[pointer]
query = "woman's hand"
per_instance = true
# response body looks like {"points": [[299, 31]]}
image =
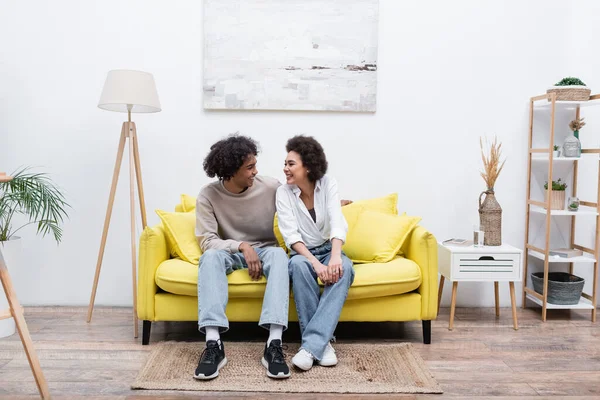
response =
{"points": [[322, 272], [335, 268]]}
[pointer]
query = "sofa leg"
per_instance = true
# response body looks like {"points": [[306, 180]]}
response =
{"points": [[146, 332], [427, 332]]}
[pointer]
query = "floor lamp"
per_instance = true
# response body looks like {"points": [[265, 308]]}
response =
{"points": [[126, 91], [16, 311]]}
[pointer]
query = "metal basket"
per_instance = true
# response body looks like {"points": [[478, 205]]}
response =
{"points": [[563, 288]]}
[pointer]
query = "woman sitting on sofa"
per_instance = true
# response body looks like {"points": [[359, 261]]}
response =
{"points": [[312, 224]]}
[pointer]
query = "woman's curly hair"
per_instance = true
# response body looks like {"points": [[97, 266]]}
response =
{"points": [[228, 155], [312, 155]]}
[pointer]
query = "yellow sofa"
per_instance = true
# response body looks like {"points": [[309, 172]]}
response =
{"points": [[403, 289]]}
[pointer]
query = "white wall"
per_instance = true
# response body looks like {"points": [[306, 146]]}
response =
{"points": [[448, 73]]}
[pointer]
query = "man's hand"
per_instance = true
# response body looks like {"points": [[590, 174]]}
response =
{"points": [[254, 265], [345, 202], [322, 272], [335, 268]]}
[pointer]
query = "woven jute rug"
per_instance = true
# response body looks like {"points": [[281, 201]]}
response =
{"points": [[362, 368]]}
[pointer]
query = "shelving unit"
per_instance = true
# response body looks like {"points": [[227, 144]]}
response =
{"points": [[588, 209]]}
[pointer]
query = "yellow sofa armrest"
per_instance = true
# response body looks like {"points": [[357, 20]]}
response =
{"points": [[421, 247], [153, 251]]}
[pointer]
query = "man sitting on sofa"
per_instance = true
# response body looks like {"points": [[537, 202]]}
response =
{"points": [[234, 226]]}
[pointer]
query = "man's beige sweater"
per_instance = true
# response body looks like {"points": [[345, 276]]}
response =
{"points": [[224, 220]]}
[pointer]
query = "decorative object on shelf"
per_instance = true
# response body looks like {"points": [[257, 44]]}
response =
{"points": [[563, 288], [572, 144], [570, 89], [557, 196], [34, 196], [490, 212], [556, 152], [573, 204]]}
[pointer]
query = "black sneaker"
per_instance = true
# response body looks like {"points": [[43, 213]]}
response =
{"points": [[274, 361], [211, 361]]}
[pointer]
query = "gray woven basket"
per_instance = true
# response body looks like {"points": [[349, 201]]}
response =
{"points": [[563, 288], [571, 93]]}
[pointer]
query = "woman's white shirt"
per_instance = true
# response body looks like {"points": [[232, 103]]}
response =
{"points": [[295, 222]]}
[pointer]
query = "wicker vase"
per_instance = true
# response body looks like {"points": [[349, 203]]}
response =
{"points": [[490, 219]]}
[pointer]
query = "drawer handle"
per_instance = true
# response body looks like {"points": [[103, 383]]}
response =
{"points": [[486, 258]]}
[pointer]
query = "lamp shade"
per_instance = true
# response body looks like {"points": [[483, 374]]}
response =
{"points": [[127, 87]]}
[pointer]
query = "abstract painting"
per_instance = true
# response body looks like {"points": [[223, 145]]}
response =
{"points": [[290, 55]]}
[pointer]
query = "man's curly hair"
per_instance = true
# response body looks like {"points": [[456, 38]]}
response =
{"points": [[228, 155], [312, 155]]}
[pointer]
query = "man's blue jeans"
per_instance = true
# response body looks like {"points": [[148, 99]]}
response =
{"points": [[213, 293], [318, 313]]}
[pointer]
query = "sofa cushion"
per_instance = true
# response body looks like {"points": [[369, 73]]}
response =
{"points": [[188, 203], [397, 276], [377, 237], [181, 277], [371, 280], [386, 204], [180, 232]]}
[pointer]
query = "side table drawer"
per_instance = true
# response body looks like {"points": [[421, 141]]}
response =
{"points": [[490, 266]]}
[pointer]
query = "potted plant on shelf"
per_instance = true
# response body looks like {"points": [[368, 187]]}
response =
{"points": [[557, 194], [573, 204], [556, 152], [570, 89], [35, 197]]}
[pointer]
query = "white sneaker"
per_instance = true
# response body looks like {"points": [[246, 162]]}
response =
{"points": [[303, 360], [329, 358]]}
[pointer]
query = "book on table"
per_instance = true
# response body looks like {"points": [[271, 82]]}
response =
{"points": [[566, 253], [457, 242]]}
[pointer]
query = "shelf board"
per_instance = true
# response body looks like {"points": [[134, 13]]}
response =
{"points": [[585, 258], [582, 211], [568, 105], [584, 304], [545, 157]]}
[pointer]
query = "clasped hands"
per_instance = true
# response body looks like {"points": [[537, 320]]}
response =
{"points": [[331, 273]]}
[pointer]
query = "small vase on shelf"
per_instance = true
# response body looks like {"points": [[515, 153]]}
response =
{"points": [[572, 146]]}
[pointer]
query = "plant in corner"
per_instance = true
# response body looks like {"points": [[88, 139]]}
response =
{"points": [[570, 89], [490, 212], [556, 194], [36, 197], [556, 152], [572, 145]]}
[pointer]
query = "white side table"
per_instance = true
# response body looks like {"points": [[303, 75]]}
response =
{"points": [[479, 264]]}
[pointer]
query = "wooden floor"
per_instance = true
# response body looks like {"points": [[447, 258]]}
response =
{"points": [[481, 358]]}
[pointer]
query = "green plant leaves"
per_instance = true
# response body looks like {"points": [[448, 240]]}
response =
{"points": [[556, 185], [35, 196], [569, 80]]}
